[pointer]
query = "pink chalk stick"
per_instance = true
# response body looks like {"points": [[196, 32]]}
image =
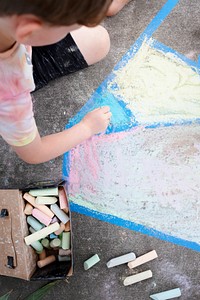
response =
{"points": [[40, 216], [63, 199]]}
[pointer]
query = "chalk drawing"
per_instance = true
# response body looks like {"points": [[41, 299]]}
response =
{"points": [[145, 178]]}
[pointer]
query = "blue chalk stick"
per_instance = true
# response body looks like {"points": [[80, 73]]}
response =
{"points": [[167, 295], [53, 236]]}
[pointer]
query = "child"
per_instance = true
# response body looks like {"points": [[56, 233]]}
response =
{"points": [[67, 46], [116, 6]]}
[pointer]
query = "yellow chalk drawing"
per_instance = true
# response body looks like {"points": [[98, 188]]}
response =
{"points": [[159, 87]]}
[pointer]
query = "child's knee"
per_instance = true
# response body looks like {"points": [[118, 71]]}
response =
{"points": [[102, 44], [98, 45], [93, 42]]}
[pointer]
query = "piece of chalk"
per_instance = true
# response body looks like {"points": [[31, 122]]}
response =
{"points": [[142, 259], [48, 260], [61, 229], [91, 262], [28, 209], [42, 255], [63, 199], [170, 294], [55, 219], [45, 243], [64, 258], [59, 213], [138, 277], [55, 243], [44, 192], [37, 246], [123, 259], [34, 223], [53, 236], [67, 226], [66, 240], [63, 252], [41, 207], [40, 216], [46, 200], [31, 229], [38, 235]]}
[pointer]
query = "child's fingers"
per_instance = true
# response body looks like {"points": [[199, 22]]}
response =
{"points": [[108, 115], [105, 109]]}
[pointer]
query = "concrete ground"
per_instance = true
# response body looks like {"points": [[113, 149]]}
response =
{"points": [[176, 266]]}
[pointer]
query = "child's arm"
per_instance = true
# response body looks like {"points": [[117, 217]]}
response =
{"points": [[51, 146]]}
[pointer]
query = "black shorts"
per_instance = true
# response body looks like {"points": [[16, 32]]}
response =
{"points": [[53, 61]]}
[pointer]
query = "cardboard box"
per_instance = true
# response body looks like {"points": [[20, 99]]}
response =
{"points": [[16, 258]]}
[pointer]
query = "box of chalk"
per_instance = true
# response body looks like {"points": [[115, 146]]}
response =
{"points": [[35, 232]]}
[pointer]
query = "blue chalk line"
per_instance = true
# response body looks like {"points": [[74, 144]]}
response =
{"points": [[133, 226]]}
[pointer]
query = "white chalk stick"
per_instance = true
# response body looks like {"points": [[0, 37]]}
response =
{"points": [[59, 213], [38, 235], [120, 260], [63, 252], [55, 243], [46, 200], [170, 294], [142, 259], [138, 277], [44, 192]]}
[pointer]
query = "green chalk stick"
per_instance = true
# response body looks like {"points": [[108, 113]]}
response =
{"points": [[91, 262], [44, 192], [37, 246], [34, 223], [55, 243], [45, 243], [66, 240]]}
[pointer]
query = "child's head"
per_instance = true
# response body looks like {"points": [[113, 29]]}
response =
{"points": [[55, 15], [58, 12]]}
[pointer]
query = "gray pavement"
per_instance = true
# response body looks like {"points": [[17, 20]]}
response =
{"points": [[176, 266]]}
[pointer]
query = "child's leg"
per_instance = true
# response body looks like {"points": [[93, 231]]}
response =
{"points": [[93, 42], [76, 51], [116, 6]]}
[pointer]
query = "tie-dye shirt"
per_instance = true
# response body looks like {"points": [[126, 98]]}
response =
{"points": [[17, 123]]}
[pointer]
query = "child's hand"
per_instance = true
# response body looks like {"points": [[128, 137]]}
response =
{"points": [[97, 120]]}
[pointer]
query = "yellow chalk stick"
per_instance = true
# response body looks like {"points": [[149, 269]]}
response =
{"points": [[138, 277], [46, 200], [44, 192]]}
